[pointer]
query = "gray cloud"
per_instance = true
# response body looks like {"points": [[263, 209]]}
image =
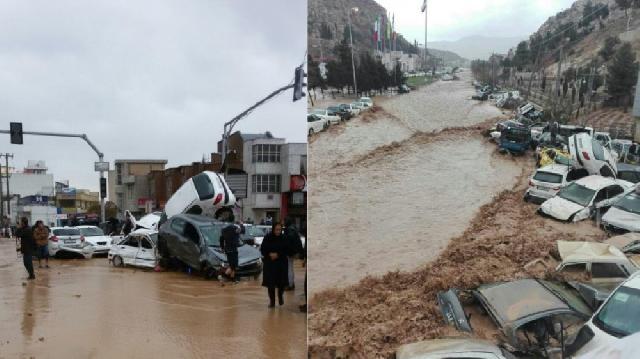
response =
{"points": [[145, 79]]}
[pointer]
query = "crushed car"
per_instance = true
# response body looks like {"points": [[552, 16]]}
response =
{"points": [[548, 180], [452, 348], [584, 198], [533, 317], [138, 249], [195, 241], [588, 153], [624, 214]]}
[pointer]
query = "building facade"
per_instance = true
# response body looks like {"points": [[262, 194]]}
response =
{"points": [[128, 184]]}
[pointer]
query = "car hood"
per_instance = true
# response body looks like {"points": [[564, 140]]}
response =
{"points": [[95, 239], [560, 208], [246, 254], [622, 219]]}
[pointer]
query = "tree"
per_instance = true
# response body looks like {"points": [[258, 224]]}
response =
{"points": [[313, 73], [608, 49], [522, 55], [623, 74], [626, 5]]}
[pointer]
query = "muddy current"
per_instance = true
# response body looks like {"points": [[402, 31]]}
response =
{"points": [[88, 309], [392, 186]]}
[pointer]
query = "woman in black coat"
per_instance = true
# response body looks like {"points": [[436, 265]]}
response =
{"points": [[274, 249]]}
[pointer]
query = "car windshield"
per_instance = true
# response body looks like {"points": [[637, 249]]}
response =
{"points": [[631, 176], [547, 177], [333, 108], [318, 112], [598, 150], [91, 232], [629, 203], [211, 234], [516, 134], [203, 185], [577, 194], [312, 118], [66, 232], [618, 316], [256, 231], [569, 296]]}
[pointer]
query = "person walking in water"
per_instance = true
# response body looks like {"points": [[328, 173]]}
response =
{"points": [[27, 245], [229, 243], [295, 248], [274, 249], [41, 236]]}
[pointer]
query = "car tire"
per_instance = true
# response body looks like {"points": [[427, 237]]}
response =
{"points": [[311, 132], [527, 198], [209, 272], [117, 261]]}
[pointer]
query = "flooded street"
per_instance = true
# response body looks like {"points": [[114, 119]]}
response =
{"points": [[89, 309], [387, 191]]}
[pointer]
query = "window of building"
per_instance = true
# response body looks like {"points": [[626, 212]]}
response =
{"points": [[265, 183], [119, 174], [303, 165], [297, 198], [266, 153]]}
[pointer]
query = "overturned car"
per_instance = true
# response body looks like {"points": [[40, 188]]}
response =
{"points": [[532, 317]]}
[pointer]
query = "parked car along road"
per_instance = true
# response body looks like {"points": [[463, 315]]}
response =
{"points": [[316, 124], [324, 114], [68, 240], [138, 249], [342, 113], [349, 107], [366, 101], [548, 180], [95, 236], [195, 241], [580, 199]]}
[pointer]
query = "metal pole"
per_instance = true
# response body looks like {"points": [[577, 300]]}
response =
{"points": [[6, 159], [353, 66], [6, 175], [425, 33]]}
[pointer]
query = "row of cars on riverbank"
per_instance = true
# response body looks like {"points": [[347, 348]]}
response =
{"points": [[319, 119], [584, 299]]}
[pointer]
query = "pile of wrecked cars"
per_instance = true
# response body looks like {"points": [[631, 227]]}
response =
{"points": [[187, 233]]}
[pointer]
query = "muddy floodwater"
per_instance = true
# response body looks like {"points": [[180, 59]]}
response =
{"points": [[388, 194], [88, 309]]}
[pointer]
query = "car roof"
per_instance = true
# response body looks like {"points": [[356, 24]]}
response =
{"points": [[633, 281], [627, 167], [198, 219], [554, 168], [596, 182], [446, 346], [84, 226], [144, 231], [516, 300], [65, 227], [587, 252]]}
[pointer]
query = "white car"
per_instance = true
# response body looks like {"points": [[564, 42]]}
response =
{"points": [[366, 101], [69, 240], [581, 199], [323, 113], [548, 180], [316, 124], [206, 193], [97, 238], [624, 215], [138, 249], [351, 108], [604, 138], [616, 319], [149, 221], [589, 154]]}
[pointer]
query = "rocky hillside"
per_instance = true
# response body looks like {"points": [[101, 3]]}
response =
{"points": [[327, 25], [582, 46]]}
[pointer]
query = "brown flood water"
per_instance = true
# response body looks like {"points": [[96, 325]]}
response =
{"points": [[88, 309], [388, 197]]}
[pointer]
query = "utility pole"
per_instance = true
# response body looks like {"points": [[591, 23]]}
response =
{"points": [[353, 64], [7, 175], [636, 112], [559, 71], [424, 9]]}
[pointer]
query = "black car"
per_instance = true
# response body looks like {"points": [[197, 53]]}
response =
{"points": [[404, 89], [195, 241], [629, 172], [337, 111]]}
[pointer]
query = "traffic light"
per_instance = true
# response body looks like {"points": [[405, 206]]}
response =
{"points": [[299, 84], [15, 130], [103, 188]]}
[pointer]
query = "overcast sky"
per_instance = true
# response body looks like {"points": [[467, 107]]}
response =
{"points": [[450, 20], [145, 79]]}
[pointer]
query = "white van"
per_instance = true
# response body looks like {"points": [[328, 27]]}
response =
{"points": [[206, 194]]}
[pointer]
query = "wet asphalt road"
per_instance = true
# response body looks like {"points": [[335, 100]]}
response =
{"points": [[89, 309]]}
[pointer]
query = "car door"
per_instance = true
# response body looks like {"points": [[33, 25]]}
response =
{"points": [[146, 256], [128, 250], [186, 242]]}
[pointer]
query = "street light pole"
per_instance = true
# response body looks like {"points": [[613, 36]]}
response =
{"points": [[424, 9], [353, 65]]}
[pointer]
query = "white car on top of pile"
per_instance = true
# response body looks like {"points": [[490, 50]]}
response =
{"points": [[581, 199], [206, 194], [588, 153]]}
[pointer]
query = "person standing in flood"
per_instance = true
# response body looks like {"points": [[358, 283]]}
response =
{"points": [[27, 245], [41, 236], [229, 243], [274, 249], [295, 248]]}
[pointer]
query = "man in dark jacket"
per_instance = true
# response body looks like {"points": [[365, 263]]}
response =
{"points": [[229, 243], [294, 248], [27, 245]]}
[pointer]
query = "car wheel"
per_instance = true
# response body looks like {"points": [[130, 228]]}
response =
{"points": [[526, 197], [117, 261], [310, 131], [209, 272]]}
